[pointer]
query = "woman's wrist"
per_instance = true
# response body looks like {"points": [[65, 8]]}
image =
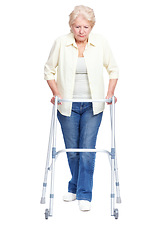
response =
{"points": [[110, 93]]}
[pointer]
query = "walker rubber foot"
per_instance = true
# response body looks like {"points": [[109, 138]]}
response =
{"points": [[118, 200], [42, 200]]}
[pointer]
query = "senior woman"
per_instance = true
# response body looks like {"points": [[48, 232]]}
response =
{"points": [[80, 58]]}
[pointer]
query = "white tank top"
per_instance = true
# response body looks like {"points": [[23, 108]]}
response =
{"points": [[81, 88]]}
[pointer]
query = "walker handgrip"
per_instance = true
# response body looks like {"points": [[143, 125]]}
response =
{"points": [[109, 100]]}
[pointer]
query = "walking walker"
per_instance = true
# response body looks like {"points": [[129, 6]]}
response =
{"points": [[52, 150]]}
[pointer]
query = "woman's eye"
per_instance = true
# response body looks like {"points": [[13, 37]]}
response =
{"points": [[84, 27]]}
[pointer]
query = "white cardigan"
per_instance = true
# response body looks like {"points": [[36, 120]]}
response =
{"points": [[63, 57]]}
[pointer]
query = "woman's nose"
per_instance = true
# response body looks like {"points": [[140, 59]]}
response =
{"points": [[81, 30]]}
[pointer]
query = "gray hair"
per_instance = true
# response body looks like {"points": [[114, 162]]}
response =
{"points": [[87, 12]]}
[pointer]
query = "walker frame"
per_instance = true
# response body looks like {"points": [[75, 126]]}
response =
{"points": [[52, 147]]}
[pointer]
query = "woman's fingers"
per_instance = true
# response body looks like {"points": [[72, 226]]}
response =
{"points": [[53, 100]]}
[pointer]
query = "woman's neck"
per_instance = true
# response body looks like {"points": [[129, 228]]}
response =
{"points": [[81, 43]]}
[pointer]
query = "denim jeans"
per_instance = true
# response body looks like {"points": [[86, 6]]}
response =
{"points": [[80, 131]]}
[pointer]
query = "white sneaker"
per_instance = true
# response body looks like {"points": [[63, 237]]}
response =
{"points": [[69, 197], [84, 205]]}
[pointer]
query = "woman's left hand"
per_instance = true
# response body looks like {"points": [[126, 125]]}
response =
{"points": [[111, 89]]}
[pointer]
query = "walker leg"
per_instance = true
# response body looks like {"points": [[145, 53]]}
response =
{"points": [[114, 212], [52, 168], [118, 198], [49, 212], [47, 160], [112, 185], [52, 189]]}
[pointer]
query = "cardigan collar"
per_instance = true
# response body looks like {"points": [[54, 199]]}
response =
{"points": [[71, 40]]}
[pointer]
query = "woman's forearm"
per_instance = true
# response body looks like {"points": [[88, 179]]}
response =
{"points": [[53, 86], [111, 87]]}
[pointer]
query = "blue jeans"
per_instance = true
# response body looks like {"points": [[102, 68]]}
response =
{"points": [[80, 131]]}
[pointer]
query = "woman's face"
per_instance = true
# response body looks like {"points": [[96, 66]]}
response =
{"points": [[81, 29]]}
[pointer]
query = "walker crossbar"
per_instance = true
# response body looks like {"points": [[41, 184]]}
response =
{"points": [[85, 100], [82, 150], [52, 147]]}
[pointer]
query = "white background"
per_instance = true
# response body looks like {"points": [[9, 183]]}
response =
{"points": [[28, 29]]}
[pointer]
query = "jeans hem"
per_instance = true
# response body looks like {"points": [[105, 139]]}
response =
{"points": [[83, 198], [70, 191]]}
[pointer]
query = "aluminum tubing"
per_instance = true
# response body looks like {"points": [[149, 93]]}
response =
{"points": [[85, 100]]}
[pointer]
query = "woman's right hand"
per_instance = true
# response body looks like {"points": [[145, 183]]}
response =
{"points": [[53, 100]]}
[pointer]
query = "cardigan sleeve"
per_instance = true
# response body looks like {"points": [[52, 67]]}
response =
{"points": [[52, 62], [109, 61]]}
